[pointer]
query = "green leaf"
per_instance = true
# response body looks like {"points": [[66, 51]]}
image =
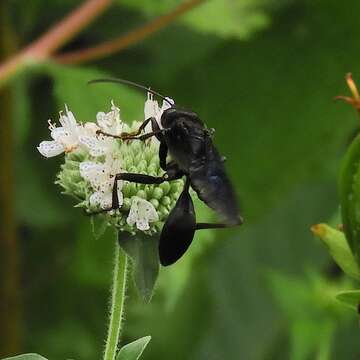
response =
{"points": [[143, 250], [98, 226], [226, 18], [350, 298], [71, 88], [133, 350], [338, 247], [30, 356], [349, 185]]}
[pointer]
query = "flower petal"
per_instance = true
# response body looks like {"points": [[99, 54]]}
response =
{"points": [[95, 146], [106, 200], [141, 212], [93, 172], [142, 224], [58, 132], [68, 120], [120, 197], [50, 148], [95, 198], [151, 108], [101, 119], [90, 128], [110, 122], [151, 212]]}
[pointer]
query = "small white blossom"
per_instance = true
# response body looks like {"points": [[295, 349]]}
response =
{"points": [[141, 213], [101, 176], [110, 122], [98, 145], [65, 137], [152, 109]]}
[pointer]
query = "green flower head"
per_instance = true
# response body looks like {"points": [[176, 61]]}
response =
{"points": [[92, 160]]}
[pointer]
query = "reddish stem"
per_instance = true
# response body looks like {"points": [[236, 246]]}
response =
{"points": [[57, 36], [109, 47]]}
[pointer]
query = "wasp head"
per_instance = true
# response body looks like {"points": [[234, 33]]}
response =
{"points": [[173, 114]]}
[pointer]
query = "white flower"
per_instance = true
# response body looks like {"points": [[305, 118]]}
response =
{"points": [[110, 122], [101, 177], [65, 137], [97, 145], [141, 213], [152, 109]]}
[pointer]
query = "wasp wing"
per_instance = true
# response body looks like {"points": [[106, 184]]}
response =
{"points": [[211, 183], [178, 230]]}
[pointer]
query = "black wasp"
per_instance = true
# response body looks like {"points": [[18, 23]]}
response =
{"points": [[188, 142]]}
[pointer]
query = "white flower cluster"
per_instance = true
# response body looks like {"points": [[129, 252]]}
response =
{"points": [[92, 160]]}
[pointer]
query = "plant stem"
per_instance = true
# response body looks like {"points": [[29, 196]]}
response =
{"points": [[116, 45], [53, 39], [117, 303]]}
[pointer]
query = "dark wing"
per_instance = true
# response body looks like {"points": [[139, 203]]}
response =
{"points": [[211, 183], [178, 230]]}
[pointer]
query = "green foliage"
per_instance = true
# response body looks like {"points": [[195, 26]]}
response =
{"points": [[350, 298], [312, 312], [26, 357], [349, 184], [134, 350], [339, 249], [143, 250], [224, 18], [71, 88], [269, 99]]}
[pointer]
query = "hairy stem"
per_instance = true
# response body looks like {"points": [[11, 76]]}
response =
{"points": [[53, 39], [117, 303], [116, 45]]}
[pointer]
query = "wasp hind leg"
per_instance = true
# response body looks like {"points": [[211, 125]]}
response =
{"points": [[173, 174], [201, 226]]}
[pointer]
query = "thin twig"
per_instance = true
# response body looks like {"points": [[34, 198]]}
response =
{"points": [[112, 46], [57, 36]]}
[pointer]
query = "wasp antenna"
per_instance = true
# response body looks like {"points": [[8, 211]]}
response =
{"points": [[131, 83]]}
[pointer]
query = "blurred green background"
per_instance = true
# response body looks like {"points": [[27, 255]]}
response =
{"points": [[263, 73]]}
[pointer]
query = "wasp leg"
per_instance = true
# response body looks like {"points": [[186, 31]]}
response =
{"points": [[125, 135], [163, 150], [143, 179], [200, 226], [156, 131], [145, 136], [173, 173]]}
